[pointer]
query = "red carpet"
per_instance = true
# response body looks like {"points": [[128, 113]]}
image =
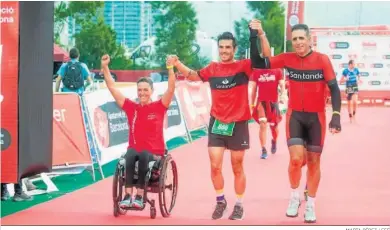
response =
{"points": [[354, 190]]}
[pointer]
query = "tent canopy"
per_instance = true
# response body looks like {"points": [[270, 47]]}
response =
{"points": [[60, 55]]}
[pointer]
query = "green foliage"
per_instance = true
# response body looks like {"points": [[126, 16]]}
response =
{"points": [[271, 13], [176, 32], [95, 37], [78, 10], [242, 35]]}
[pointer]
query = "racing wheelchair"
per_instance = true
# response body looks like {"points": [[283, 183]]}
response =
{"points": [[156, 182]]}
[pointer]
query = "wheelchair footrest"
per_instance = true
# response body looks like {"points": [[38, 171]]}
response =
{"points": [[133, 208]]}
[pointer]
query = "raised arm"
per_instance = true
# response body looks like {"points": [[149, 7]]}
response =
{"points": [[188, 73], [118, 96], [168, 95], [265, 61]]}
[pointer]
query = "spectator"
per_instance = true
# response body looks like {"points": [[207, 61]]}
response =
{"points": [[73, 74]]}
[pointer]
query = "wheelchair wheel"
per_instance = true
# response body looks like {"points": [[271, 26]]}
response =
{"points": [[117, 191], [168, 186]]}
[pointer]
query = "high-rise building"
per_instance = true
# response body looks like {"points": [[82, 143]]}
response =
{"points": [[131, 20]]}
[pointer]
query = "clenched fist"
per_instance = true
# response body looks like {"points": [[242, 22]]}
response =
{"points": [[105, 60], [255, 24]]}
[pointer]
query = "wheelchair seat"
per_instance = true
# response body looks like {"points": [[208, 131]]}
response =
{"points": [[154, 168]]}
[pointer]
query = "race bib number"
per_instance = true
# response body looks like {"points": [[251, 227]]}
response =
{"points": [[222, 128]]}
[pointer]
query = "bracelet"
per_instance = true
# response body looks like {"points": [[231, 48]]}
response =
{"points": [[336, 112], [170, 67]]}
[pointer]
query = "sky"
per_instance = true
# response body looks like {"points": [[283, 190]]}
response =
{"points": [[216, 17]]}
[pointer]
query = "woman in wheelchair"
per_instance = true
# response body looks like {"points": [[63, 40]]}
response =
{"points": [[146, 123]]}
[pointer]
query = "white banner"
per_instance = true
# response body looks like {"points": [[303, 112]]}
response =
{"points": [[110, 125], [371, 53]]}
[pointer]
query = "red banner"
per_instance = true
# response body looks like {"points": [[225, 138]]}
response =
{"points": [[295, 15], [9, 71], [70, 144], [195, 103]]}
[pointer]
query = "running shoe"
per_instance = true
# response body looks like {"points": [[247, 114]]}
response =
{"points": [[220, 210], [273, 146], [238, 213], [4, 194], [126, 202], [264, 154], [293, 207], [22, 196], [138, 202], [310, 215]]}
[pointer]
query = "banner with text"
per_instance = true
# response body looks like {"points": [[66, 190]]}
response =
{"points": [[370, 50], [70, 145], [9, 73]]}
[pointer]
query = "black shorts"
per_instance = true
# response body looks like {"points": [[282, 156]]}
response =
{"points": [[351, 90], [305, 128], [238, 141]]}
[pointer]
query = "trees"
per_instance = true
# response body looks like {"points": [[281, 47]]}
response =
{"points": [[94, 38], [272, 15], [242, 35], [176, 32], [80, 11]]}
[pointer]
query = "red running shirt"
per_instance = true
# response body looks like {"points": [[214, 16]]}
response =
{"points": [[229, 89], [146, 131], [267, 81], [308, 77]]}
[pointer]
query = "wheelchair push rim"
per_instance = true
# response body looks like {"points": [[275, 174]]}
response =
{"points": [[117, 191], [169, 168]]}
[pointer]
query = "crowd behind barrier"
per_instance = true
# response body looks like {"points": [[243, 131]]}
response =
{"points": [[90, 131]]}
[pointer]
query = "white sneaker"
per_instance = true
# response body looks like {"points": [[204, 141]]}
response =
{"points": [[310, 215], [293, 207]]}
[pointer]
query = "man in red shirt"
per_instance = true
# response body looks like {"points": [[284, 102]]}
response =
{"points": [[309, 74], [145, 121], [266, 108], [230, 113]]}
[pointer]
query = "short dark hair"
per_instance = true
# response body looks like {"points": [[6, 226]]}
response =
{"points": [[74, 53], [350, 62], [227, 36], [303, 27], [147, 80]]}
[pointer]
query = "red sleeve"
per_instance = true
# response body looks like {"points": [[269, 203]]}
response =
{"points": [[206, 72], [128, 105], [159, 106], [327, 68], [277, 62]]}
